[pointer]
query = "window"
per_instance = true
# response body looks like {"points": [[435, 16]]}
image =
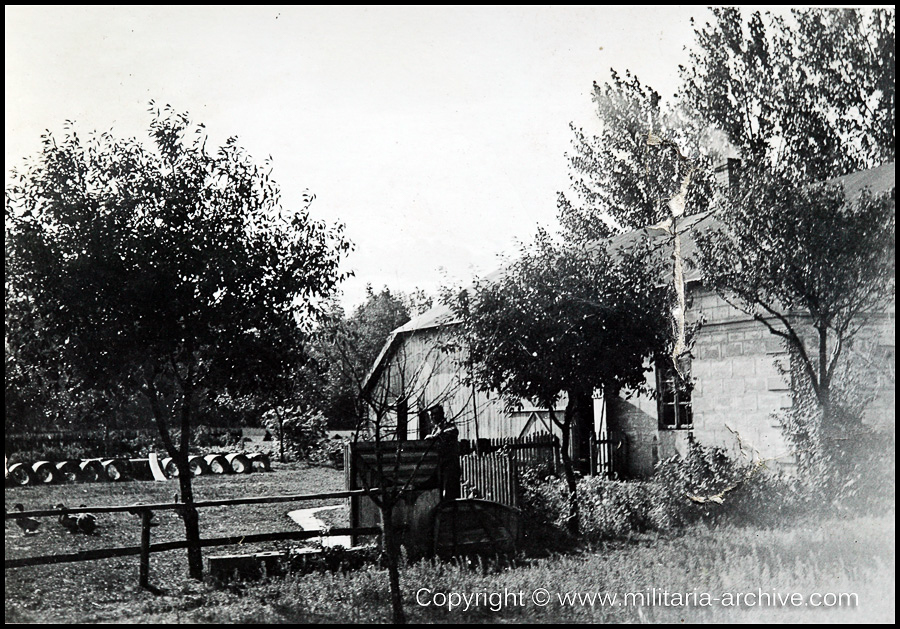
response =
{"points": [[674, 395], [402, 419]]}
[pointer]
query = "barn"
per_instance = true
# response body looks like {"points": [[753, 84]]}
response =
{"points": [[738, 369]]}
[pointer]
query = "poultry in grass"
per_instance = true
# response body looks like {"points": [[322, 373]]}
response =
{"points": [[87, 522], [67, 521], [28, 525]]}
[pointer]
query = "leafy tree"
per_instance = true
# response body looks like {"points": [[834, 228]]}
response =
{"points": [[346, 348], [803, 100], [624, 177], [169, 271], [811, 97], [795, 258], [566, 319]]}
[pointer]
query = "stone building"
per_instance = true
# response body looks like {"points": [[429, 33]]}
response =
{"points": [[739, 374]]}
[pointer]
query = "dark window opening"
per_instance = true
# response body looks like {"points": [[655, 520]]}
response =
{"points": [[674, 395], [402, 419]]}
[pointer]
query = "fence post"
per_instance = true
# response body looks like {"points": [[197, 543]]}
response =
{"points": [[146, 516]]}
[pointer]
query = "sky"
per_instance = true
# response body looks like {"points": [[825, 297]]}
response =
{"points": [[437, 135]]}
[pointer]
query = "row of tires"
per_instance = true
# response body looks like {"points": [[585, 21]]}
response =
{"points": [[94, 470]]}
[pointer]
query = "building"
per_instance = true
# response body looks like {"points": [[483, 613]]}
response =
{"points": [[739, 373]]}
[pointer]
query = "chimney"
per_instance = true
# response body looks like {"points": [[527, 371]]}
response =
{"points": [[726, 174]]}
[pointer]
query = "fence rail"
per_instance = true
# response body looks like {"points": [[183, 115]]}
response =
{"points": [[125, 551], [146, 548]]}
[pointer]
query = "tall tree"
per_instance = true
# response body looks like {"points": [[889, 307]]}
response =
{"points": [[811, 97], [346, 347], [819, 257], [804, 100], [566, 319], [624, 177], [170, 271]]}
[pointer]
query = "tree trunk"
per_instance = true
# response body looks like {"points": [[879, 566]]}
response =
{"points": [[572, 524], [392, 555], [180, 455], [280, 415], [185, 478], [191, 522]]}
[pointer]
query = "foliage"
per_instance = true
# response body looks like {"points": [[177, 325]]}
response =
{"points": [[302, 431], [565, 318], [858, 477], [802, 100], [624, 176], [800, 258], [618, 509], [704, 486], [346, 347], [544, 506], [330, 452], [811, 97], [708, 485], [169, 272]]}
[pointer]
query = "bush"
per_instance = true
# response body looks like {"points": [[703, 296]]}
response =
{"points": [[542, 501], [611, 509], [329, 452], [303, 430], [707, 485]]}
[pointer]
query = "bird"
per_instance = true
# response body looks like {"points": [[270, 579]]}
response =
{"points": [[87, 522], [139, 511], [28, 525], [68, 522]]}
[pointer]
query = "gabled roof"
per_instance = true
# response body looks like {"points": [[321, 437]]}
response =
{"points": [[877, 180]]}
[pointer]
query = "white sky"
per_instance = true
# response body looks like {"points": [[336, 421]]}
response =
{"points": [[437, 135]]}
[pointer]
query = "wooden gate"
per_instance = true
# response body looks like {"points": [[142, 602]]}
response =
{"points": [[425, 470], [610, 454], [490, 477]]}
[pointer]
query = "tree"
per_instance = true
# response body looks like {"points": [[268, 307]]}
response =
{"points": [[409, 374], [811, 97], [566, 319], [795, 258], [168, 271], [803, 100], [346, 348], [624, 177]]}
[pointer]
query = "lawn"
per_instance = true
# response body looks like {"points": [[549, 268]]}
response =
{"points": [[107, 588], [850, 556]]}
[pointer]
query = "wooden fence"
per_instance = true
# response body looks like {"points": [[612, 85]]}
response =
{"points": [[609, 454], [146, 512], [536, 450], [490, 477], [426, 471]]}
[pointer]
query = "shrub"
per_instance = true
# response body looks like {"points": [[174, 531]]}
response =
{"points": [[329, 451], [707, 485], [303, 430], [611, 509], [542, 501]]}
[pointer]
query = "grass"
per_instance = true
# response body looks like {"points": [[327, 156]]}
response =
{"points": [[840, 556], [90, 590]]}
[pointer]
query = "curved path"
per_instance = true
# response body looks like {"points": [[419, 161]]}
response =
{"points": [[308, 522]]}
